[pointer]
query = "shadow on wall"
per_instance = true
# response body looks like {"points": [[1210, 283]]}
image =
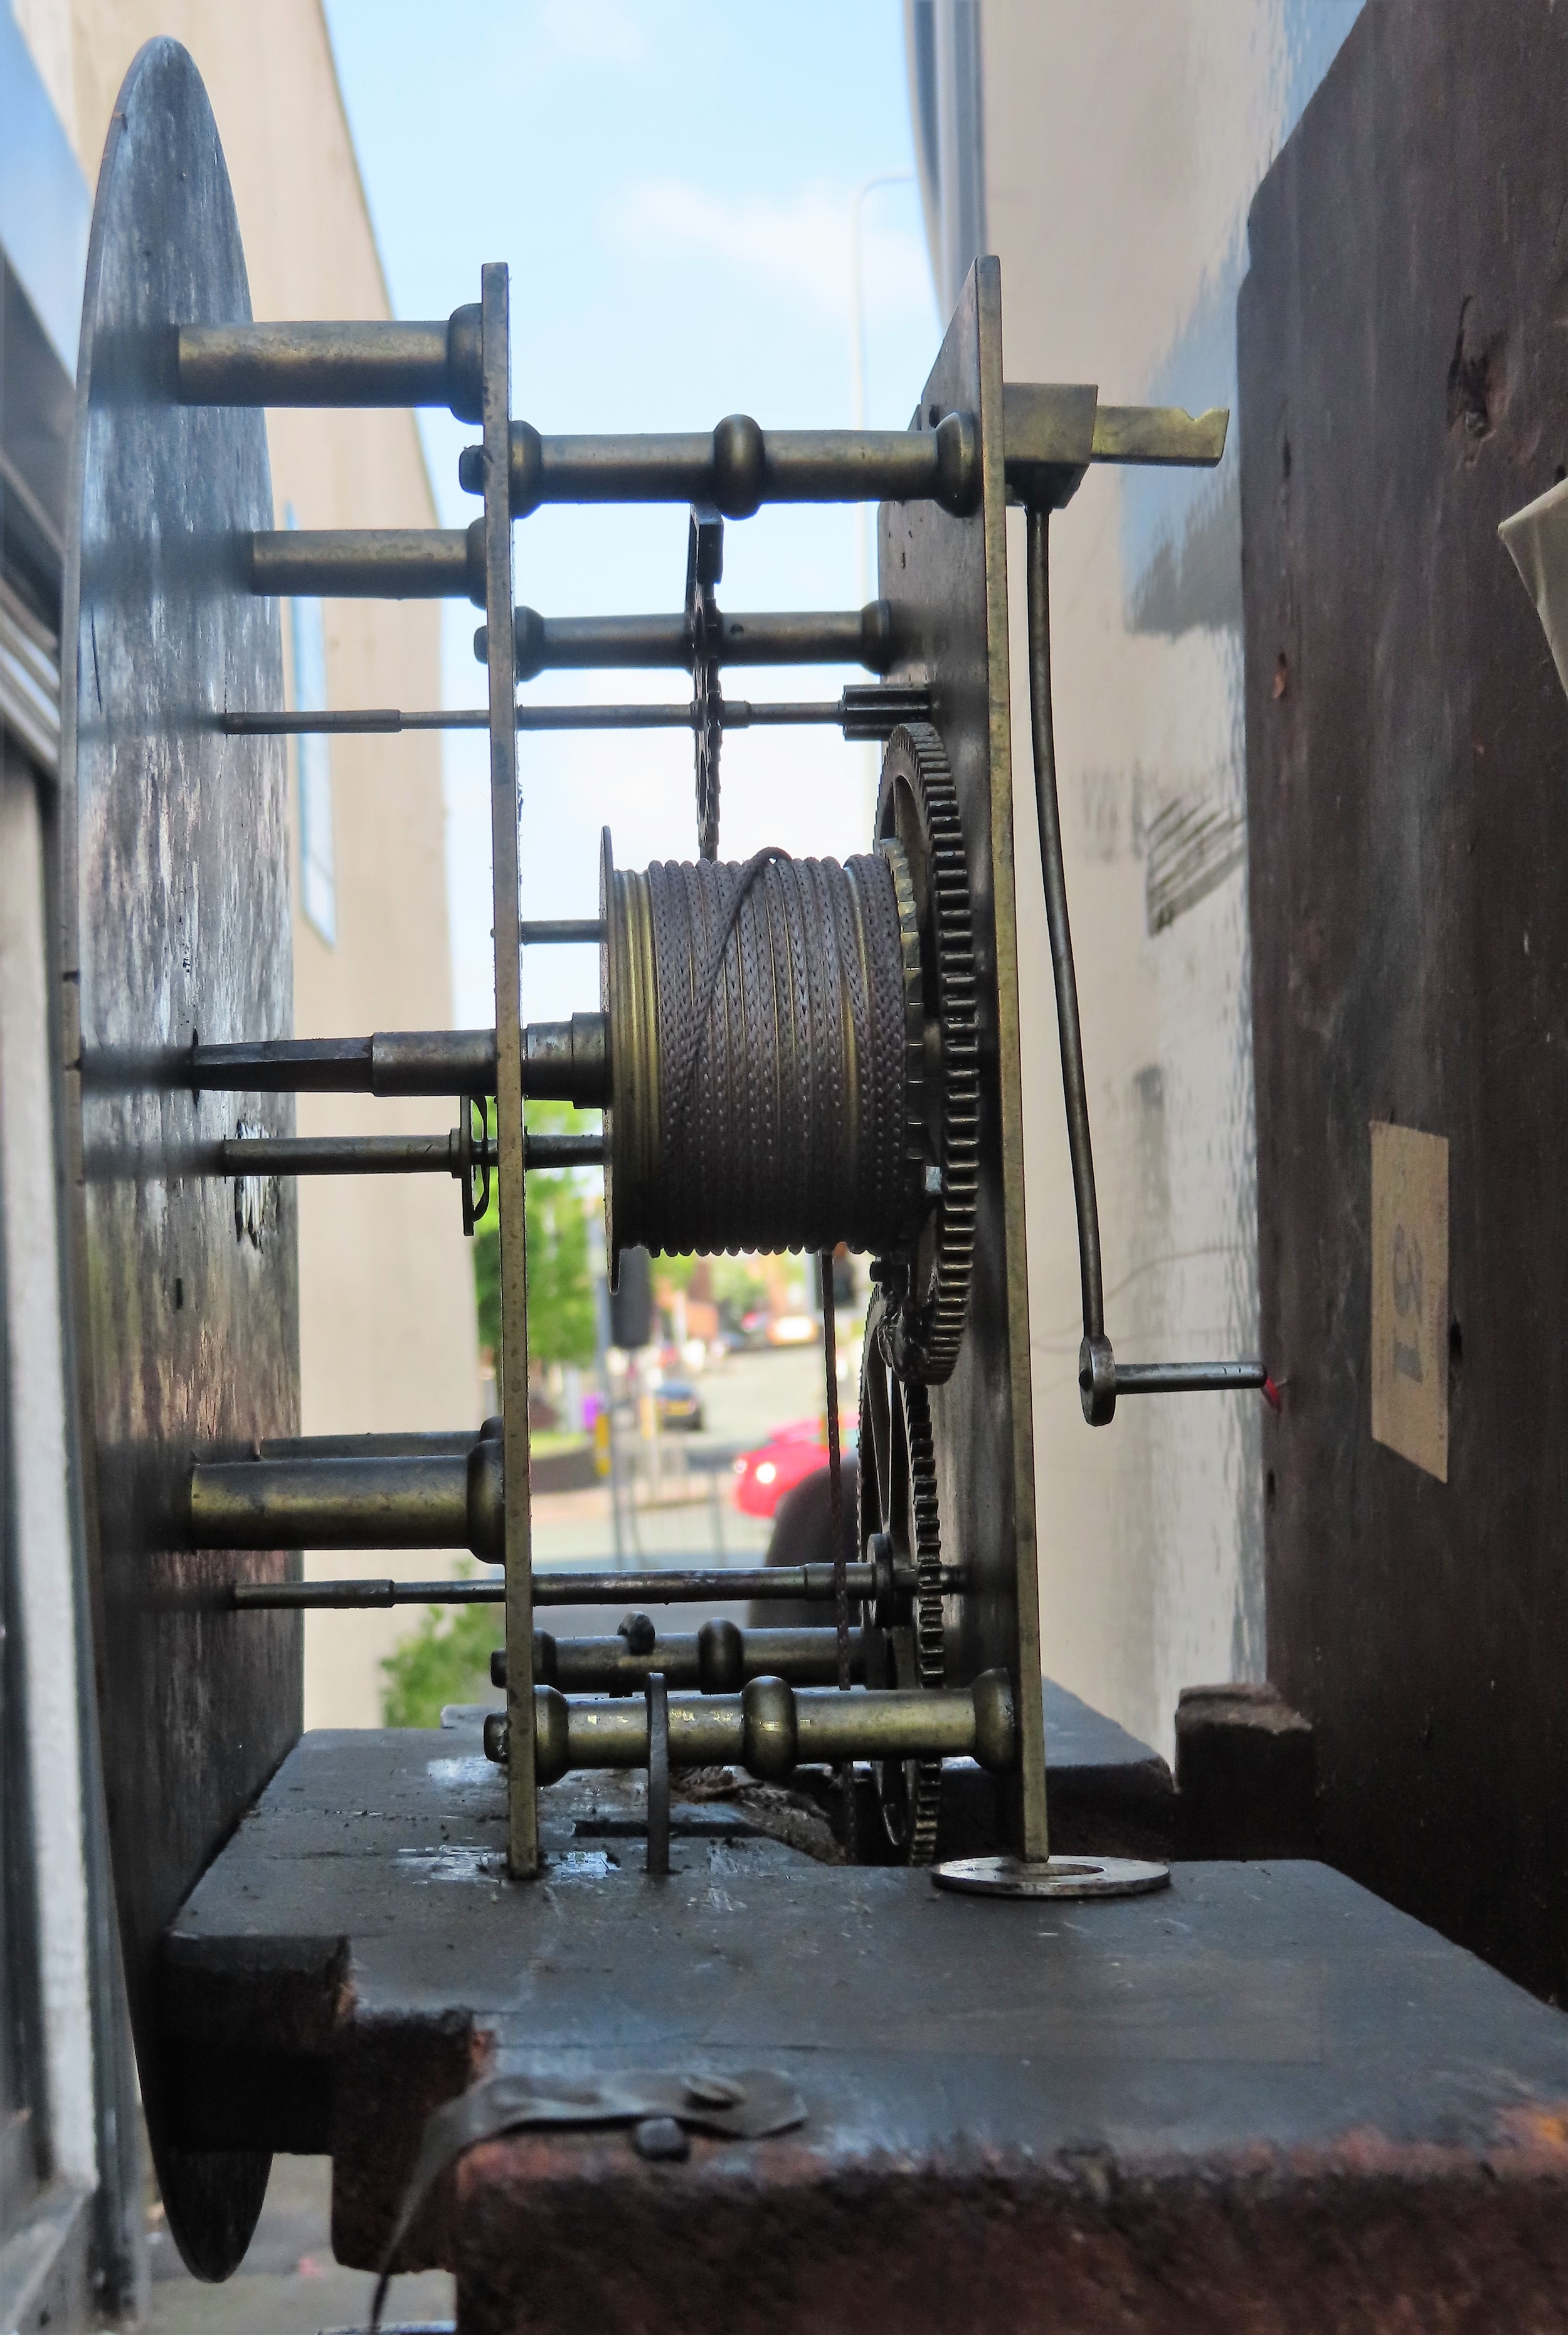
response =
{"points": [[1189, 828], [1181, 531], [1192, 574]]}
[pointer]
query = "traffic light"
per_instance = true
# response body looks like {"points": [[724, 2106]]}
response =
{"points": [[631, 1301], [843, 1281]]}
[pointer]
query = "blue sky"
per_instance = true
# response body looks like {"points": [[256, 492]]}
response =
{"points": [[670, 185]]}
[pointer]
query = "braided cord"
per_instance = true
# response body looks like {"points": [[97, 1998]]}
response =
{"points": [[780, 1009]]}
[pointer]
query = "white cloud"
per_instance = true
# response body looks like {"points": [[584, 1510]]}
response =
{"points": [[601, 29], [800, 246]]}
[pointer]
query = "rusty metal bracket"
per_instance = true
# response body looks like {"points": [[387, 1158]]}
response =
{"points": [[750, 2105]]}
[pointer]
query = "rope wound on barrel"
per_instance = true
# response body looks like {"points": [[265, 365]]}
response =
{"points": [[759, 1056]]}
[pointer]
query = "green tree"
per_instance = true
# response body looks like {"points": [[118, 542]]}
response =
{"points": [[734, 1281], [561, 1327], [446, 1660]]}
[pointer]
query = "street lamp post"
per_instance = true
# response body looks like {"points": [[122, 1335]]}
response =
{"points": [[864, 520], [858, 331]]}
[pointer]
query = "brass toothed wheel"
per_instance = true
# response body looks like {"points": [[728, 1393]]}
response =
{"points": [[926, 1282], [904, 1630]]}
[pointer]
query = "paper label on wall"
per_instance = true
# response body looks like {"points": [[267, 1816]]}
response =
{"points": [[1411, 1295]]}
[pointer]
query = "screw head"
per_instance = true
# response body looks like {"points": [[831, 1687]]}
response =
{"points": [[713, 2092], [662, 2140], [639, 1633]]}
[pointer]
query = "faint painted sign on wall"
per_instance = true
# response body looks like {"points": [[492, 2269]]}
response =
{"points": [[1411, 1295]]}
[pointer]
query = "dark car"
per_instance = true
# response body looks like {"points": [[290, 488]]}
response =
{"points": [[679, 1405]]}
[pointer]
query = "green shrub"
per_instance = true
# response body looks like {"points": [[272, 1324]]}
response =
{"points": [[446, 1659], [561, 1327]]}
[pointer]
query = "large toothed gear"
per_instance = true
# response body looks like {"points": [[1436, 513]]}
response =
{"points": [[904, 1632], [927, 1283]]}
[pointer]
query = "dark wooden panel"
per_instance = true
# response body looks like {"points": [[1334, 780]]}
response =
{"points": [[176, 916], [1403, 387]]}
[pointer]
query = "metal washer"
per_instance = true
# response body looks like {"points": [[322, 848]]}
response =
{"points": [[1052, 1876]]}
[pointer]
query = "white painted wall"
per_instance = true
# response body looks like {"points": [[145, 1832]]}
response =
{"points": [[1122, 142], [40, 1488]]}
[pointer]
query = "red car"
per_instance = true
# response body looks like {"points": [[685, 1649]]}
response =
{"points": [[789, 1455]]}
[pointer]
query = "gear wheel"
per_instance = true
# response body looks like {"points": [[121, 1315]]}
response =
{"points": [[904, 1630], [927, 1285]]}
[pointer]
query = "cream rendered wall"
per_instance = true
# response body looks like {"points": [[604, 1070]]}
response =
{"points": [[387, 1335], [1123, 140], [40, 1491]]}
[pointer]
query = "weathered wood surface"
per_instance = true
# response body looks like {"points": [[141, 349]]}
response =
{"points": [[1261, 2098], [1404, 386]]}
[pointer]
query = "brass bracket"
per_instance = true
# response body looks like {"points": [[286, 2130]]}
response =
{"points": [[1052, 431]]}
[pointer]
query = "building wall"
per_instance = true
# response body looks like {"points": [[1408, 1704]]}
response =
{"points": [[386, 1307], [39, 1492], [1122, 144], [47, 1966]]}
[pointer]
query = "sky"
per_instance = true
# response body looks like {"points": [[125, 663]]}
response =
{"points": [[671, 186]]}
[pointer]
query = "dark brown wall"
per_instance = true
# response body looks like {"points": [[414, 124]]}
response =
{"points": [[1404, 386]]}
